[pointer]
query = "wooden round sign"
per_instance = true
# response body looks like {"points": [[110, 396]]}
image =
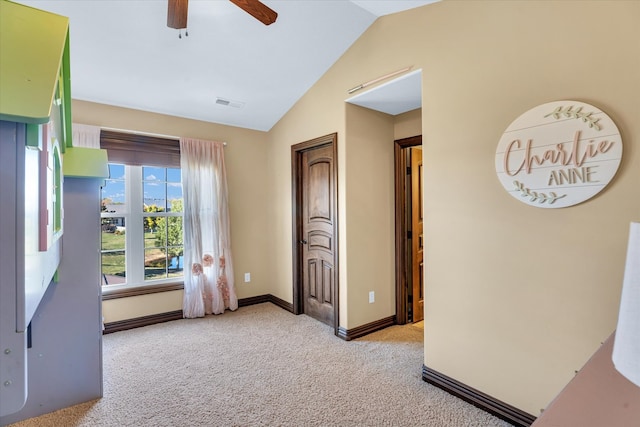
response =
{"points": [[558, 154]]}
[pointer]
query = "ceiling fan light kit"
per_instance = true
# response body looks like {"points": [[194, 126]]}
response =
{"points": [[178, 10]]}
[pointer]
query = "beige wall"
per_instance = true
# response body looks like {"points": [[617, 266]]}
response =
{"points": [[370, 217], [245, 155], [407, 124], [517, 298], [141, 305]]}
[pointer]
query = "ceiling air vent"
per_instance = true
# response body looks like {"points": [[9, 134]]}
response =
{"points": [[229, 103]]}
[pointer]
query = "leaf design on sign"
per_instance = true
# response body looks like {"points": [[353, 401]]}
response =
{"points": [[570, 113], [535, 195]]}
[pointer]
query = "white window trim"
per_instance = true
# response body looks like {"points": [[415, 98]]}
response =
{"points": [[134, 236]]}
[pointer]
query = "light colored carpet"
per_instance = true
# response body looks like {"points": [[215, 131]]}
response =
{"points": [[263, 366]]}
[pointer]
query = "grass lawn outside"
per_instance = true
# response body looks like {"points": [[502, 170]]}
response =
{"points": [[155, 260]]}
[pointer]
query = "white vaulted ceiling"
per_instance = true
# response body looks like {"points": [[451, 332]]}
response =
{"points": [[123, 54]]}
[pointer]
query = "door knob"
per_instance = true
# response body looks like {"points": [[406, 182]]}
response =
{"points": [[304, 242]]}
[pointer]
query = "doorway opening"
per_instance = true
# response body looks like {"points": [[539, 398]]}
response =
{"points": [[395, 97], [315, 229], [409, 234]]}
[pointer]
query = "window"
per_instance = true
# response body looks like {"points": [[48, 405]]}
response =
{"points": [[113, 227], [141, 215], [162, 223]]}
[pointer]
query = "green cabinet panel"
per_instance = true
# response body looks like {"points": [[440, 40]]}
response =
{"points": [[32, 44], [85, 162]]}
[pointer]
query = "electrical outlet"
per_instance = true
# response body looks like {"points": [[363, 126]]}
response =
{"points": [[372, 297], [247, 277]]}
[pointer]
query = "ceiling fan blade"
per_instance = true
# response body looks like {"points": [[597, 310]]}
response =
{"points": [[177, 14], [258, 10]]}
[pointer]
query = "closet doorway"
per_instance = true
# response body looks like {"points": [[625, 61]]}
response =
{"points": [[409, 230]]}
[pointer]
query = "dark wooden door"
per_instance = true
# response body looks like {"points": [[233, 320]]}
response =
{"points": [[318, 233], [409, 278], [417, 264]]}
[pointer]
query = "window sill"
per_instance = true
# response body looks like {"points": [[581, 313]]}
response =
{"points": [[108, 294]]}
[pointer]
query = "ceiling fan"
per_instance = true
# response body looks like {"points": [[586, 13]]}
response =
{"points": [[177, 12]]}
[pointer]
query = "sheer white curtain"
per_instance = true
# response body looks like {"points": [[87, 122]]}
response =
{"points": [[85, 136], [208, 274]]}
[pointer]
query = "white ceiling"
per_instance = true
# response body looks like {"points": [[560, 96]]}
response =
{"points": [[395, 97], [123, 54]]}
